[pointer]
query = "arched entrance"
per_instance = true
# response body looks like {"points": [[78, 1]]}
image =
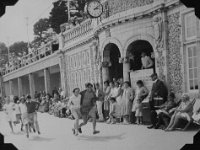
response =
{"points": [[111, 55], [134, 52]]}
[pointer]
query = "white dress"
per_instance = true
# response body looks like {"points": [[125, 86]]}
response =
{"points": [[23, 110], [9, 109]]}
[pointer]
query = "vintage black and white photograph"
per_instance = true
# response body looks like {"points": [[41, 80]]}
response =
{"points": [[99, 74]]}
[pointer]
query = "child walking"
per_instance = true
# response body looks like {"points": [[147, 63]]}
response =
{"points": [[74, 105]]}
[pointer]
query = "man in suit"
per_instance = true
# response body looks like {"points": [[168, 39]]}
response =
{"points": [[159, 90]]}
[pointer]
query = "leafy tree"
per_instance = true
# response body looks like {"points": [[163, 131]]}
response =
{"points": [[58, 15], [18, 48], [41, 26], [3, 54]]}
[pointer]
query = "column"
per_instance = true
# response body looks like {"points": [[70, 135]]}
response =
{"points": [[10, 87], [47, 80], [63, 75], [105, 74], [31, 84], [20, 93], [126, 71]]}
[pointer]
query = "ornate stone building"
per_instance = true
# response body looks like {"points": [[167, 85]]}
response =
{"points": [[110, 47]]}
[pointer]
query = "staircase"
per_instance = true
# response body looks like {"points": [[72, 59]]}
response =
{"points": [[6, 146], [195, 145]]}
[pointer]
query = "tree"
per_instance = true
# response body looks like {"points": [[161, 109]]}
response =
{"points": [[58, 15], [3, 54], [18, 48], [41, 26]]}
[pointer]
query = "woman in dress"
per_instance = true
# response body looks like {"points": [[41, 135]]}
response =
{"points": [[74, 105], [9, 110], [183, 111], [141, 93], [127, 99], [106, 91]]}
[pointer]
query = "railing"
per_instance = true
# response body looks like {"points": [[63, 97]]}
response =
{"points": [[32, 57], [78, 30]]}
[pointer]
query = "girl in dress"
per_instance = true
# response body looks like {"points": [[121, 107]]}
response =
{"points": [[24, 115], [126, 104], [17, 113], [9, 110], [141, 93], [74, 105]]}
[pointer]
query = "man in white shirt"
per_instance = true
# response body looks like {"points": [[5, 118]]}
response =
{"points": [[146, 61]]}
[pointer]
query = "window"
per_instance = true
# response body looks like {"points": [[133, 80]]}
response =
{"points": [[192, 59], [190, 26]]}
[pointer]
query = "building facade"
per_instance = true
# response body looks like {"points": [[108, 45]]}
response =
{"points": [[100, 49]]}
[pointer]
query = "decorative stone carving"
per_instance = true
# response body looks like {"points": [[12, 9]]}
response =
{"points": [[112, 7], [159, 45], [175, 74]]}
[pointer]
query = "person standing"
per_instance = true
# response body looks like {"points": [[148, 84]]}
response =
{"points": [[88, 107], [146, 61], [74, 105], [99, 102], [159, 90], [106, 91], [24, 115], [127, 99], [32, 108], [141, 93]]}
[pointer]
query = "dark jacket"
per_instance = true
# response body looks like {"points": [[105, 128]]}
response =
{"points": [[158, 90]]}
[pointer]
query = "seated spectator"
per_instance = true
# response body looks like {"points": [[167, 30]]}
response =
{"points": [[114, 111], [164, 113], [146, 61], [183, 111], [196, 111]]}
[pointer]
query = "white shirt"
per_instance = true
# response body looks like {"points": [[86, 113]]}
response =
{"points": [[23, 108], [146, 62], [75, 101]]}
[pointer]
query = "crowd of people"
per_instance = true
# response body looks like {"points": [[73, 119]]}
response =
{"points": [[115, 103]]}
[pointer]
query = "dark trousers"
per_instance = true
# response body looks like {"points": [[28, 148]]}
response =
{"points": [[163, 119], [154, 118]]}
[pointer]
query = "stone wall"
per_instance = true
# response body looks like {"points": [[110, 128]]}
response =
{"points": [[112, 7], [175, 74]]}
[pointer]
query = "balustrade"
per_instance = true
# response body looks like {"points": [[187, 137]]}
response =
{"points": [[78, 30], [32, 57]]}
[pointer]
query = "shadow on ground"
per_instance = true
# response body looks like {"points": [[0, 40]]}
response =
{"points": [[101, 138], [41, 139]]}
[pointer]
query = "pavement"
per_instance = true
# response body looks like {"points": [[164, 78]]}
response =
{"points": [[56, 134]]}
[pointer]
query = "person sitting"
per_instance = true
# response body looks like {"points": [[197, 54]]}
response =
{"points": [[183, 111], [164, 113], [196, 111], [146, 61], [114, 111]]}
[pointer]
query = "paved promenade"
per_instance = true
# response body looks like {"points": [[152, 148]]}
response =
{"points": [[57, 135]]}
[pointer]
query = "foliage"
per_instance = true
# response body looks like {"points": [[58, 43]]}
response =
{"points": [[41, 26], [3, 54], [58, 15], [18, 48]]}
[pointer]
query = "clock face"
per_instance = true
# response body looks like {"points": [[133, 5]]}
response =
{"points": [[95, 9]]}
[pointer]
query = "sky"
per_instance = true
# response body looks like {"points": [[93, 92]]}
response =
{"points": [[13, 25]]}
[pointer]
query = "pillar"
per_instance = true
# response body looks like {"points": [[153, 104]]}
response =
{"points": [[10, 87], [47, 80], [20, 93], [31, 85], [126, 71], [105, 74]]}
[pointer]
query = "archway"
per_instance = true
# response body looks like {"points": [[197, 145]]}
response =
{"points": [[134, 51], [112, 54]]}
